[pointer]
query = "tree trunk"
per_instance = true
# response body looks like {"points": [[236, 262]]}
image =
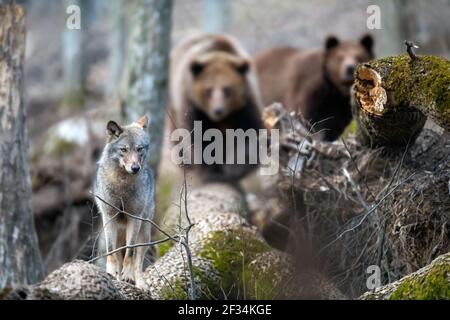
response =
{"points": [[20, 260], [73, 75], [394, 95], [216, 15], [148, 63], [391, 15], [117, 14]]}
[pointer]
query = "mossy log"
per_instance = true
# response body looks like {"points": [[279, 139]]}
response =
{"points": [[230, 259], [393, 96], [224, 249], [429, 283]]}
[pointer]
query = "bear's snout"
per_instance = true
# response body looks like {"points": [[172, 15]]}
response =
{"points": [[219, 111], [349, 72]]}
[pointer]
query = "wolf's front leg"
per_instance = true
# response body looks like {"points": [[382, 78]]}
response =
{"points": [[113, 261], [144, 237], [133, 226]]}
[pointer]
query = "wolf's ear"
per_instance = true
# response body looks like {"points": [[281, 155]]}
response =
{"points": [[113, 129], [143, 122]]}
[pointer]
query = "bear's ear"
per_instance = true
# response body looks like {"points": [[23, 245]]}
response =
{"points": [[197, 67], [143, 122], [331, 42], [367, 42], [240, 64], [113, 129], [243, 67]]}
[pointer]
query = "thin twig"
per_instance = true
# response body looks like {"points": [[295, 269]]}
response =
{"points": [[132, 246]]}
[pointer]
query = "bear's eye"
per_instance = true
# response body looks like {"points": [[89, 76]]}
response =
{"points": [[227, 92], [208, 92]]}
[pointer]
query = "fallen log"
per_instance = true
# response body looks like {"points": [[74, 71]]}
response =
{"points": [[229, 260], [393, 96], [429, 283], [77, 280]]}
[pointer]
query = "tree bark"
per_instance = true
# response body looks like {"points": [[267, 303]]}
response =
{"points": [[216, 15], [148, 63], [394, 95], [73, 74], [117, 14], [20, 260]]}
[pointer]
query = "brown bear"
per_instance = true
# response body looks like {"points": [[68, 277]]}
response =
{"points": [[315, 83], [213, 80]]}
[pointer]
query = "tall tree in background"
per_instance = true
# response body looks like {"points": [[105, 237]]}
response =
{"points": [[216, 15], [148, 65], [391, 37], [20, 260], [72, 44], [118, 11]]}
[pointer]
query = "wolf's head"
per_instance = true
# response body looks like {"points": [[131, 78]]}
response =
{"points": [[128, 146]]}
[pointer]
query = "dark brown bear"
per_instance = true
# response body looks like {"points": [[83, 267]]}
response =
{"points": [[315, 83], [213, 81]]}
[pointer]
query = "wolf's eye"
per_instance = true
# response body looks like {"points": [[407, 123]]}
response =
{"points": [[139, 149], [123, 149]]}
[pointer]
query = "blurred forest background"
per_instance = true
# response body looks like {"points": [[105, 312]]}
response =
{"points": [[76, 80]]}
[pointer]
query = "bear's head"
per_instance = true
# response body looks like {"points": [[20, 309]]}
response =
{"points": [[342, 57], [219, 84]]}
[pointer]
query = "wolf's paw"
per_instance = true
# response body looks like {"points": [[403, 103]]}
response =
{"points": [[140, 282], [113, 269], [127, 275]]}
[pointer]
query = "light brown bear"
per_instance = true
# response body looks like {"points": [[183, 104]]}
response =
{"points": [[213, 80], [315, 83]]}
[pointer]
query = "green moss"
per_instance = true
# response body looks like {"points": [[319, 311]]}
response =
{"points": [[165, 247], [5, 292], [351, 129], [434, 285], [424, 82], [175, 291], [206, 287], [231, 252], [260, 282]]}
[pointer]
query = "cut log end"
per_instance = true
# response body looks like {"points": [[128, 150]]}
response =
{"points": [[369, 92]]}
